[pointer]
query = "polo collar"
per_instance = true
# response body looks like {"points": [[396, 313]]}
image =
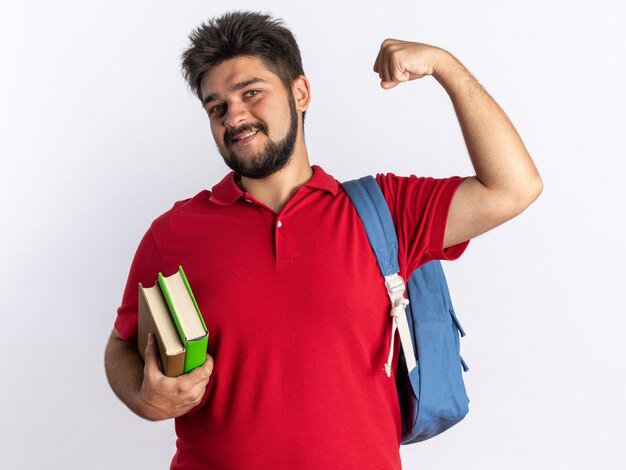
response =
{"points": [[226, 192]]}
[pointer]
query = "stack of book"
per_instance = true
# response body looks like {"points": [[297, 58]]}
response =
{"points": [[170, 311]]}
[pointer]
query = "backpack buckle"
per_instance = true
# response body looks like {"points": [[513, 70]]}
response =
{"points": [[395, 289]]}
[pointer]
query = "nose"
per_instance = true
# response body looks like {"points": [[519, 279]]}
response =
{"points": [[236, 115]]}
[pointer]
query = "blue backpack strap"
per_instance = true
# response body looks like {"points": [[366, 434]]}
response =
{"points": [[372, 208]]}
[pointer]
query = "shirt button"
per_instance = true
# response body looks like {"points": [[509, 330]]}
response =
{"points": [[279, 224]]}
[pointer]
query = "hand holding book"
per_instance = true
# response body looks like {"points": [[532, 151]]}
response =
{"points": [[170, 311], [163, 397], [173, 342]]}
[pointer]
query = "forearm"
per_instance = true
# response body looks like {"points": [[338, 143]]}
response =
{"points": [[499, 157], [124, 369]]}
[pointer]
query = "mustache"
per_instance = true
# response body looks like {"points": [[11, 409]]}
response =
{"points": [[230, 134]]}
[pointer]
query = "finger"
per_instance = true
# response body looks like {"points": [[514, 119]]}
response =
{"points": [[396, 70], [388, 64], [378, 60], [202, 373], [197, 393], [192, 386], [208, 364], [382, 65], [206, 369]]}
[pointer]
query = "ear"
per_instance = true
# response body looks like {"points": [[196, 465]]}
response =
{"points": [[301, 90]]}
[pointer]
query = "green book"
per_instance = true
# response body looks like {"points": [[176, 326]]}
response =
{"points": [[187, 317]]}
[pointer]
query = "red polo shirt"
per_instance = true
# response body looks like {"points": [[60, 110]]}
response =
{"points": [[298, 317]]}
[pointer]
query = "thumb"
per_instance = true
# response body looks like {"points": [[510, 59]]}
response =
{"points": [[387, 84], [151, 354]]}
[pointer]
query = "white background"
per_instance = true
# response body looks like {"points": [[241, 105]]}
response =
{"points": [[99, 136]]}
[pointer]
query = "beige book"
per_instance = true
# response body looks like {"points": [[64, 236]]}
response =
{"points": [[155, 317]]}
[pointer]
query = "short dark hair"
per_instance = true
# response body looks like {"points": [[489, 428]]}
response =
{"points": [[239, 33]]}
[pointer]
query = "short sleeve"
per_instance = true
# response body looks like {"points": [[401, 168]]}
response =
{"points": [[146, 265], [419, 208]]}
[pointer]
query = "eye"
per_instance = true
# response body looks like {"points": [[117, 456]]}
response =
{"points": [[215, 109], [251, 93]]}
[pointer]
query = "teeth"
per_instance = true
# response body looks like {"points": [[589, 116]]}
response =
{"points": [[245, 136]]}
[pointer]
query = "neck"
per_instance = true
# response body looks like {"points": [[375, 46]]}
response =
{"points": [[275, 190]]}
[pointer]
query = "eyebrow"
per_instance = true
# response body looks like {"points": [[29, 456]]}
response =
{"points": [[237, 86]]}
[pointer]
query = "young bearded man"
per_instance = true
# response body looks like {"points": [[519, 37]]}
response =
{"points": [[282, 269]]}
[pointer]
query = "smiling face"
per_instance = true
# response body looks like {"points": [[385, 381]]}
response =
{"points": [[253, 117]]}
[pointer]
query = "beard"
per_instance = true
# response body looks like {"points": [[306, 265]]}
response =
{"points": [[268, 161]]}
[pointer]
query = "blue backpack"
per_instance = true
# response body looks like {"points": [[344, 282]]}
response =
{"points": [[429, 372]]}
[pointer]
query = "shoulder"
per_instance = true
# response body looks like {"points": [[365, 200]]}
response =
{"points": [[391, 182], [419, 195], [392, 185], [182, 209]]}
